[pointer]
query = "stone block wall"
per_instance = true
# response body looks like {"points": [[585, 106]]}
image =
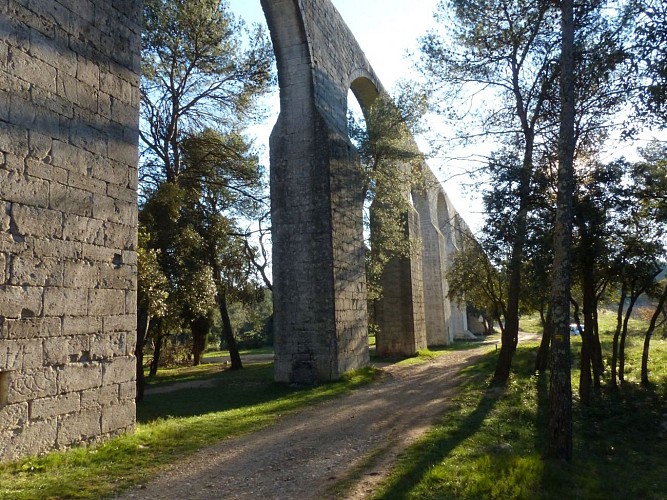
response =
{"points": [[436, 304], [68, 177], [399, 313], [319, 294]]}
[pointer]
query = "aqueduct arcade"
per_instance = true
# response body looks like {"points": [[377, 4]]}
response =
{"points": [[69, 99]]}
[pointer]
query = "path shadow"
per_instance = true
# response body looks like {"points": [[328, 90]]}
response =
{"points": [[225, 391], [401, 485]]}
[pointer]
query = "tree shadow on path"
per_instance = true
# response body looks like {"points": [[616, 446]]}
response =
{"points": [[439, 447]]}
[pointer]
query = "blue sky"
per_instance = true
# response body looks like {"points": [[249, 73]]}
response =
{"points": [[385, 29]]}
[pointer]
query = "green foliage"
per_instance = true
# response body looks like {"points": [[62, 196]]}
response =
{"points": [[650, 182], [152, 284], [242, 402], [203, 72], [651, 37], [201, 68], [473, 278], [252, 321], [487, 49], [392, 169]]}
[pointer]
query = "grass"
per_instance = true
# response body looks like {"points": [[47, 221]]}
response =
{"points": [[490, 445], [170, 426], [242, 352], [167, 376]]}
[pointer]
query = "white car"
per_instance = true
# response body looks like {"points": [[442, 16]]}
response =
{"points": [[574, 329]]}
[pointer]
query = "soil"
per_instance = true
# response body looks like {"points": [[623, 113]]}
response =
{"points": [[353, 439]]}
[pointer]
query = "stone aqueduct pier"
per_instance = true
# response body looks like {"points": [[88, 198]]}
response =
{"points": [[69, 98], [320, 314]]}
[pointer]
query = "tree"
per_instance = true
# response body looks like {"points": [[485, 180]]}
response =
{"points": [[651, 38], [651, 190], [509, 47], [659, 311], [559, 426], [201, 68], [152, 294], [509, 54], [639, 267], [600, 199], [473, 279], [641, 245], [392, 167], [223, 182], [202, 71]]}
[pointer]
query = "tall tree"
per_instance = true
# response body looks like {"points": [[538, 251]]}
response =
{"points": [[507, 46], [223, 182], [202, 69], [559, 426], [651, 189], [600, 198]]}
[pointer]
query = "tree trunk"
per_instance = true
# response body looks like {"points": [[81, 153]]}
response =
{"points": [[200, 328], [588, 366], [649, 333], [510, 337], [624, 334], [559, 427], [501, 325], [227, 332], [155, 362], [542, 361], [488, 326], [143, 322], [617, 334], [598, 364]]}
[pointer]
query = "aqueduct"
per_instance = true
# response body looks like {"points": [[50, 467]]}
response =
{"points": [[69, 98]]}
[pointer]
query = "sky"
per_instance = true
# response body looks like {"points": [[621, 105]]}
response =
{"points": [[387, 30]]}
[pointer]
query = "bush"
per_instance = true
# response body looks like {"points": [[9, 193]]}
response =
{"points": [[175, 354], [251, 339]]}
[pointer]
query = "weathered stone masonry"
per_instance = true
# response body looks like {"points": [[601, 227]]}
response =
{"points": [[68, 155], [69, 103], [320, 315]]}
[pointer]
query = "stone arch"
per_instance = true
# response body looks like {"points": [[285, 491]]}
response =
{"points": [[363, 89], [87, 233], [320, 315], [451, 227], [436, 304], [318, 258]]}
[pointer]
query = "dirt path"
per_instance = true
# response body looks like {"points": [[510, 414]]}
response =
{"points": [[307, 453]]}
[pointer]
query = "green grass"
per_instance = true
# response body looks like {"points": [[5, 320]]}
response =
{"points": [[490, 444], [166, 376], [242, 352], [530, 324], [170, 426]]}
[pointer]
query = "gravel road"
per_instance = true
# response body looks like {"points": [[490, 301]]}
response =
{"points": [[306, 453]]}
